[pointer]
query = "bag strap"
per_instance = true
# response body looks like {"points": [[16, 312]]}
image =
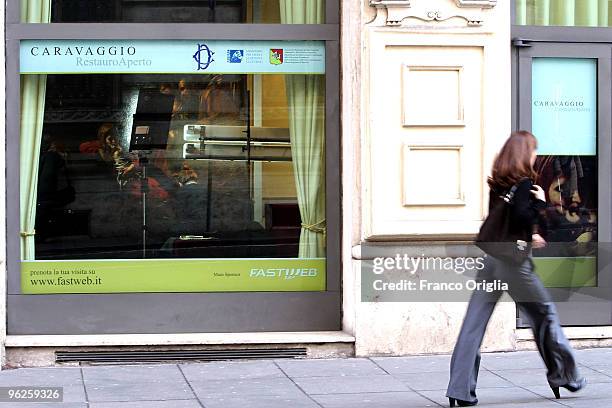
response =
{"points": [[509, 196]]}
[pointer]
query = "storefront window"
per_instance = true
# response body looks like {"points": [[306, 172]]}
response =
{"points": [[174, 11], [216, 158], [564, 117], [585, 13]]}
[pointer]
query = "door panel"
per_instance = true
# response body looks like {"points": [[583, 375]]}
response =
{"points": [[564, 98]]}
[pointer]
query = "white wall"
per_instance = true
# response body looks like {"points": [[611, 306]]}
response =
{"points": [[432, 89]]}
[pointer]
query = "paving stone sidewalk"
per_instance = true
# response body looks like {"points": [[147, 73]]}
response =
{"points": [[506, 380]]}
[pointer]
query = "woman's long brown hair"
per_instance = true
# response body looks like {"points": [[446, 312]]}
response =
{"points": [[513, 163]]}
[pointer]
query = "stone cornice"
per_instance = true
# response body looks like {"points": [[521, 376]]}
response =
{"points": [[397, 11]]}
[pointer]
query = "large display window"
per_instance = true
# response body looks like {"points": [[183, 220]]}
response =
{"points": [[175, 11], [165, 177], [208, 164]]}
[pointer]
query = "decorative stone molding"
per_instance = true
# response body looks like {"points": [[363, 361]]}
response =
{"points": [[476, 3], [398, 11]]}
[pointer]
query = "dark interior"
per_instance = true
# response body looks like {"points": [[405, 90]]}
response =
{"points": [[86, 211]]}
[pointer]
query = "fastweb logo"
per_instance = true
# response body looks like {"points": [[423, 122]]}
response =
{"points": [[284, 273]]}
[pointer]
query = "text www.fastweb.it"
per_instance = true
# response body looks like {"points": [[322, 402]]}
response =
{"points": [[60, 281]]}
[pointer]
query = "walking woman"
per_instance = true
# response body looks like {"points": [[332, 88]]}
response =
{"points": [[513, 167]]}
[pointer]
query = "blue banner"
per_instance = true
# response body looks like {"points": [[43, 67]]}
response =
{"points": [[564, 105], [171, 57]]}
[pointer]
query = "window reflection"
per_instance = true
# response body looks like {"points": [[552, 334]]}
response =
{"points": [[174, 11], [570, 221], [221, 184], [593, 13]]}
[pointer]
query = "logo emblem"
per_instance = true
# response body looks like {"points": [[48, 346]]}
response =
{"points": [[276, 56], [203, 56], [235, 56]]}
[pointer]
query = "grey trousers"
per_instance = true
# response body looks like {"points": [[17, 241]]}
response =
{"points": [[532, 298]]}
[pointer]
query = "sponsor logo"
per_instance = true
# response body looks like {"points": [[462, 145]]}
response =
{"points": [[286, 273], [235, 56], [276, 56], [203, 56]]}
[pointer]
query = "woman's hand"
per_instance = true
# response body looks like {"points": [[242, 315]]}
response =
{"points": [[538, 192], [537, 241]]}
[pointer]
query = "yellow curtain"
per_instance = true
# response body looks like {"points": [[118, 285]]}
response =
{"points": [[306, 100], [35, 11], [584, 13], [32, 114]]}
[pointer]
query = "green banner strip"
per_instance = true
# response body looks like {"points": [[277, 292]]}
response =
{"points": [[173, 275], [567, 272]]}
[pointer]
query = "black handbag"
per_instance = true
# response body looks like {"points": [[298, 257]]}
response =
{"points": [[498, 237]]}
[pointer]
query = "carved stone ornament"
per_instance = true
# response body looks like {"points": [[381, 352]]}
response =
{"points": [[476, 3], [433, 10]]}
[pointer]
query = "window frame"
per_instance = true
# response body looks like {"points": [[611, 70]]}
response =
{"points": [[530, 37], [319, 302]]}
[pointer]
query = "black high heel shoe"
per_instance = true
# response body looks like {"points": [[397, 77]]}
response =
{"points": [[461, 403], [572, 387]]}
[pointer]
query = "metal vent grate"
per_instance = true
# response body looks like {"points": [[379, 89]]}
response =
{"points": [[176, 355]]}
